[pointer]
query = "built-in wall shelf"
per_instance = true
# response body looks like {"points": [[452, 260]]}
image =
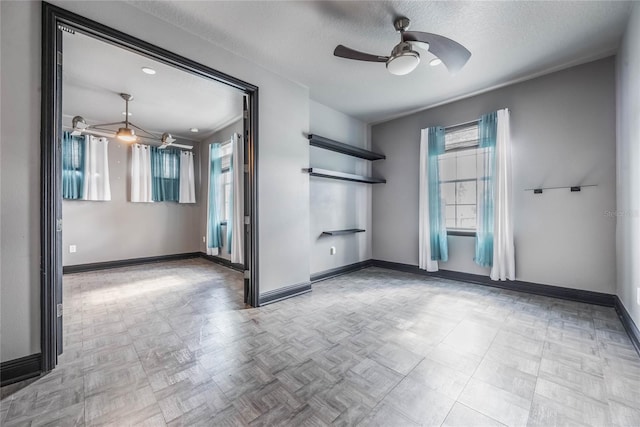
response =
{"points": [[341, 232], [339, 147], [325, 173]]}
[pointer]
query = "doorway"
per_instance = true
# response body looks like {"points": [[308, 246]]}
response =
{"points": [[57, 24]]}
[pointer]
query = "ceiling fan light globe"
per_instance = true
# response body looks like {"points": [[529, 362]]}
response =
{"points": [[126, 135], [403, 63], [79, 123], [167, 138]]}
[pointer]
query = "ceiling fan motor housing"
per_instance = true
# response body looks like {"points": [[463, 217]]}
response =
{"points": [[403, 48], [403, 59]]}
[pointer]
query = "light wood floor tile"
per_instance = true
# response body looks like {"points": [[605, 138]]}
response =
{"points": [[463, 416], [494, 402], [173, 344], [421, 404]]}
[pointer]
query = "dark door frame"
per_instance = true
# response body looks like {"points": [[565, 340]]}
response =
{"points": [[53, 19]]}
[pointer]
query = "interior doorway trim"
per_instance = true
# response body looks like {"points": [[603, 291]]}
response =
{"points": [[53, 18]]}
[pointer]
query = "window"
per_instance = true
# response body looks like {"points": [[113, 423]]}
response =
{"points": [[170, 165], [460, 166], [73, 167], [165, 173], [226, 194], [226, 182]]}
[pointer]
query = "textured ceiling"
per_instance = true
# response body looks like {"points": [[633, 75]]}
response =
{"points": [[95, 72], [509, 41]]}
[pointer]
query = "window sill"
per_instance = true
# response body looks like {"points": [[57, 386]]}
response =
{"points": [[467, 233]]}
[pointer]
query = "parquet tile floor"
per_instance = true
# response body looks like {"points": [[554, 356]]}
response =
{"points": [[172, 344]]}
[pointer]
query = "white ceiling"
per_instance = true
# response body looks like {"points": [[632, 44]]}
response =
{"points": [[509, 41], [95, 72]]}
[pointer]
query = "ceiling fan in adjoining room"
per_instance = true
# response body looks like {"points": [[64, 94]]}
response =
{"points": [[404, 58], [126, 133]]}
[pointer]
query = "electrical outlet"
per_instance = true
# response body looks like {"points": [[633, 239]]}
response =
{"points": [[638, 296], [72, 249], [204, 239], [332, 250]]}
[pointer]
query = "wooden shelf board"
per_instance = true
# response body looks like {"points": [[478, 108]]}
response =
{"points": [[341, 232], [325, 173], [339, 147]]}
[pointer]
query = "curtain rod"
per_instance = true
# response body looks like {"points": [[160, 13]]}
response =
{"points": [[462, 124], [468, 123], [228, 141]]}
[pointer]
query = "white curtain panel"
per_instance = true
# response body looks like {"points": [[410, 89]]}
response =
{"points": [[141, 174], [425, 261], [210, 251], [504, 264], [237, 238], [187, 180], [96, 173]]}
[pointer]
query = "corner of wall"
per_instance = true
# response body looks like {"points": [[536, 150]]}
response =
{"points": [[628, 175]]}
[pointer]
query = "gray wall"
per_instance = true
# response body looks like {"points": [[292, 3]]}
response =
{"points": [[563, 129], [19, 168], [628, 187], [336, 205], [283, 189], [118, 229], [222, 135]]}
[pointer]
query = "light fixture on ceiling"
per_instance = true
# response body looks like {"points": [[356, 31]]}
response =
{"points": [[194, 130], [435, 62], [126, 133], [124, 113], [148, 70], [403, 59], [79, 124]]}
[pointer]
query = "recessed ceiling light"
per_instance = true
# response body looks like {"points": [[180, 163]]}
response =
{"points": [[124, 113], [435, 61], [194, 130], [148, 70]]}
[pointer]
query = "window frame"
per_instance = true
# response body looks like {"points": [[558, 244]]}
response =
{"points": [[457, 231], [225, 182]]}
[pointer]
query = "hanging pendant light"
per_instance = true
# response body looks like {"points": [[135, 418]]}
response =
{"points": [[126, 134]]}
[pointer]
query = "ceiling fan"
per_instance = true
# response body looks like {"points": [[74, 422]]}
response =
{"points": [[168, 141], [126, 133], [404, 59]]}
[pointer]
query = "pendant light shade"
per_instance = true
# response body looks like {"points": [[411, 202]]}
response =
{"points": [[126, 135]]}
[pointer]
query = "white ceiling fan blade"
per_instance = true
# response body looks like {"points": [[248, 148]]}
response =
{"points": [[187, 147]]}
